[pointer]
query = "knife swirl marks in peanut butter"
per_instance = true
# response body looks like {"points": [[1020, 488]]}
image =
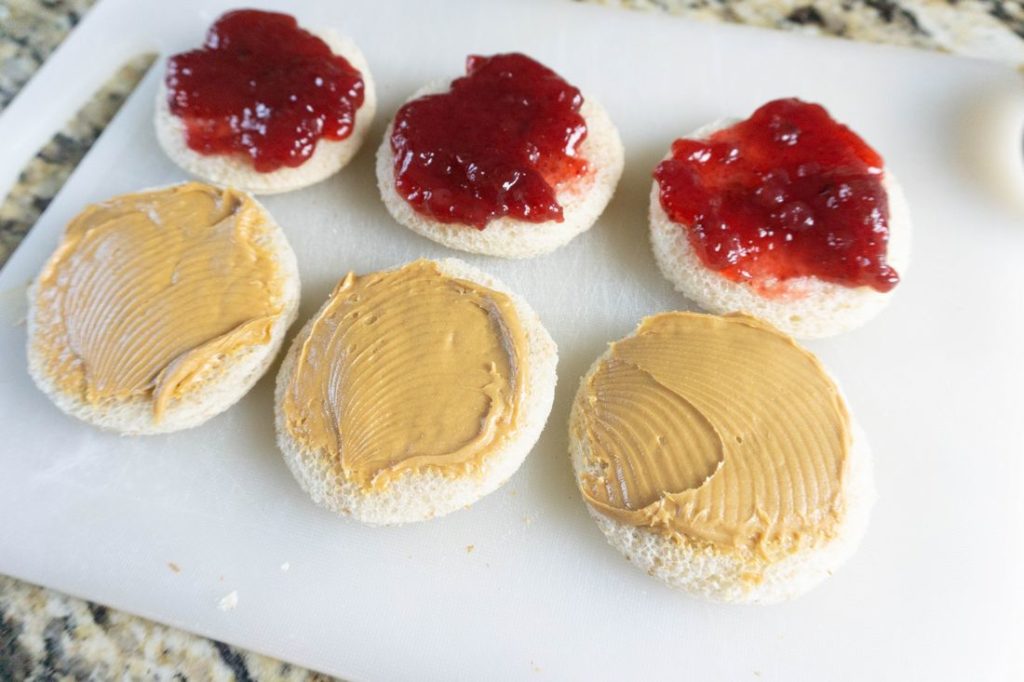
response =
{"points": [[719, 430], [149, 291], [408, 369]]}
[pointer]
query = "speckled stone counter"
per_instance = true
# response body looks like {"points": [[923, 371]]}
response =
{"points": [[45, 635]]}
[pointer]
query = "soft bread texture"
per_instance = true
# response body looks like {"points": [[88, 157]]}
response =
{"points": [[811, 308], [419, 495], [582, 201], [717, 576], [328, 158], [218, 385]]}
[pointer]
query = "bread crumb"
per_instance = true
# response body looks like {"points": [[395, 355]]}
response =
{"points": [[229, 601], [175, 568], [527, 520], [470, 548], [285, 566]]}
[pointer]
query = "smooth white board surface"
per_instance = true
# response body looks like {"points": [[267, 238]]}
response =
{"points": [[934, 592]]}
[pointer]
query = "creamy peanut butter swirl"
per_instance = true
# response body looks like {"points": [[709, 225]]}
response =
{"points": [[147, 291], [719, 430], [408, 369]]}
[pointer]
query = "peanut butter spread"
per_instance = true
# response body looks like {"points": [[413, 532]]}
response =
{"points": [[148, 291], [408, 369], [719, 430]]}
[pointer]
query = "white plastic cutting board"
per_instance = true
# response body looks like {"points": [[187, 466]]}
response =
{"points": [[935, 591]]}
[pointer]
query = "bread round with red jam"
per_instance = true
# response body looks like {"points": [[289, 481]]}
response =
{"points": [[236, 170], [582, 199], [807, 307]]}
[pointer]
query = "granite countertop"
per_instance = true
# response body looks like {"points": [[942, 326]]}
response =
{"points": [[45, 635]]}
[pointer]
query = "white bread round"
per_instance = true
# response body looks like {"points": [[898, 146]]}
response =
{"points": [[419, 495], [582, 201], [718, 576], [218, 386], [328, 158], [811, 307]]}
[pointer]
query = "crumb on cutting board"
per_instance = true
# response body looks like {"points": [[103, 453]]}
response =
{"points": [[229, 601], [175, 568], [470, 548]]}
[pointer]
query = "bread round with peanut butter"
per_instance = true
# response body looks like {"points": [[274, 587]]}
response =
{"points": [[714, 569], [329, 156], [415, 493], [582, 200], [217, 377], [810, 307]]}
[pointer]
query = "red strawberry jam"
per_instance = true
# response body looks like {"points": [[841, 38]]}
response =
{"points": [[262, 86], [787, 193], [498, 143]]}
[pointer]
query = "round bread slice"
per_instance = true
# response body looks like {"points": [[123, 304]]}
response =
{"points": [[705, 572], [422, 494], [328, 158], [216, 387], [582, 201], [811, 307]]}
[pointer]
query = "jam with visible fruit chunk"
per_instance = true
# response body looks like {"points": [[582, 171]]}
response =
{"points": [[787, 193]]}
